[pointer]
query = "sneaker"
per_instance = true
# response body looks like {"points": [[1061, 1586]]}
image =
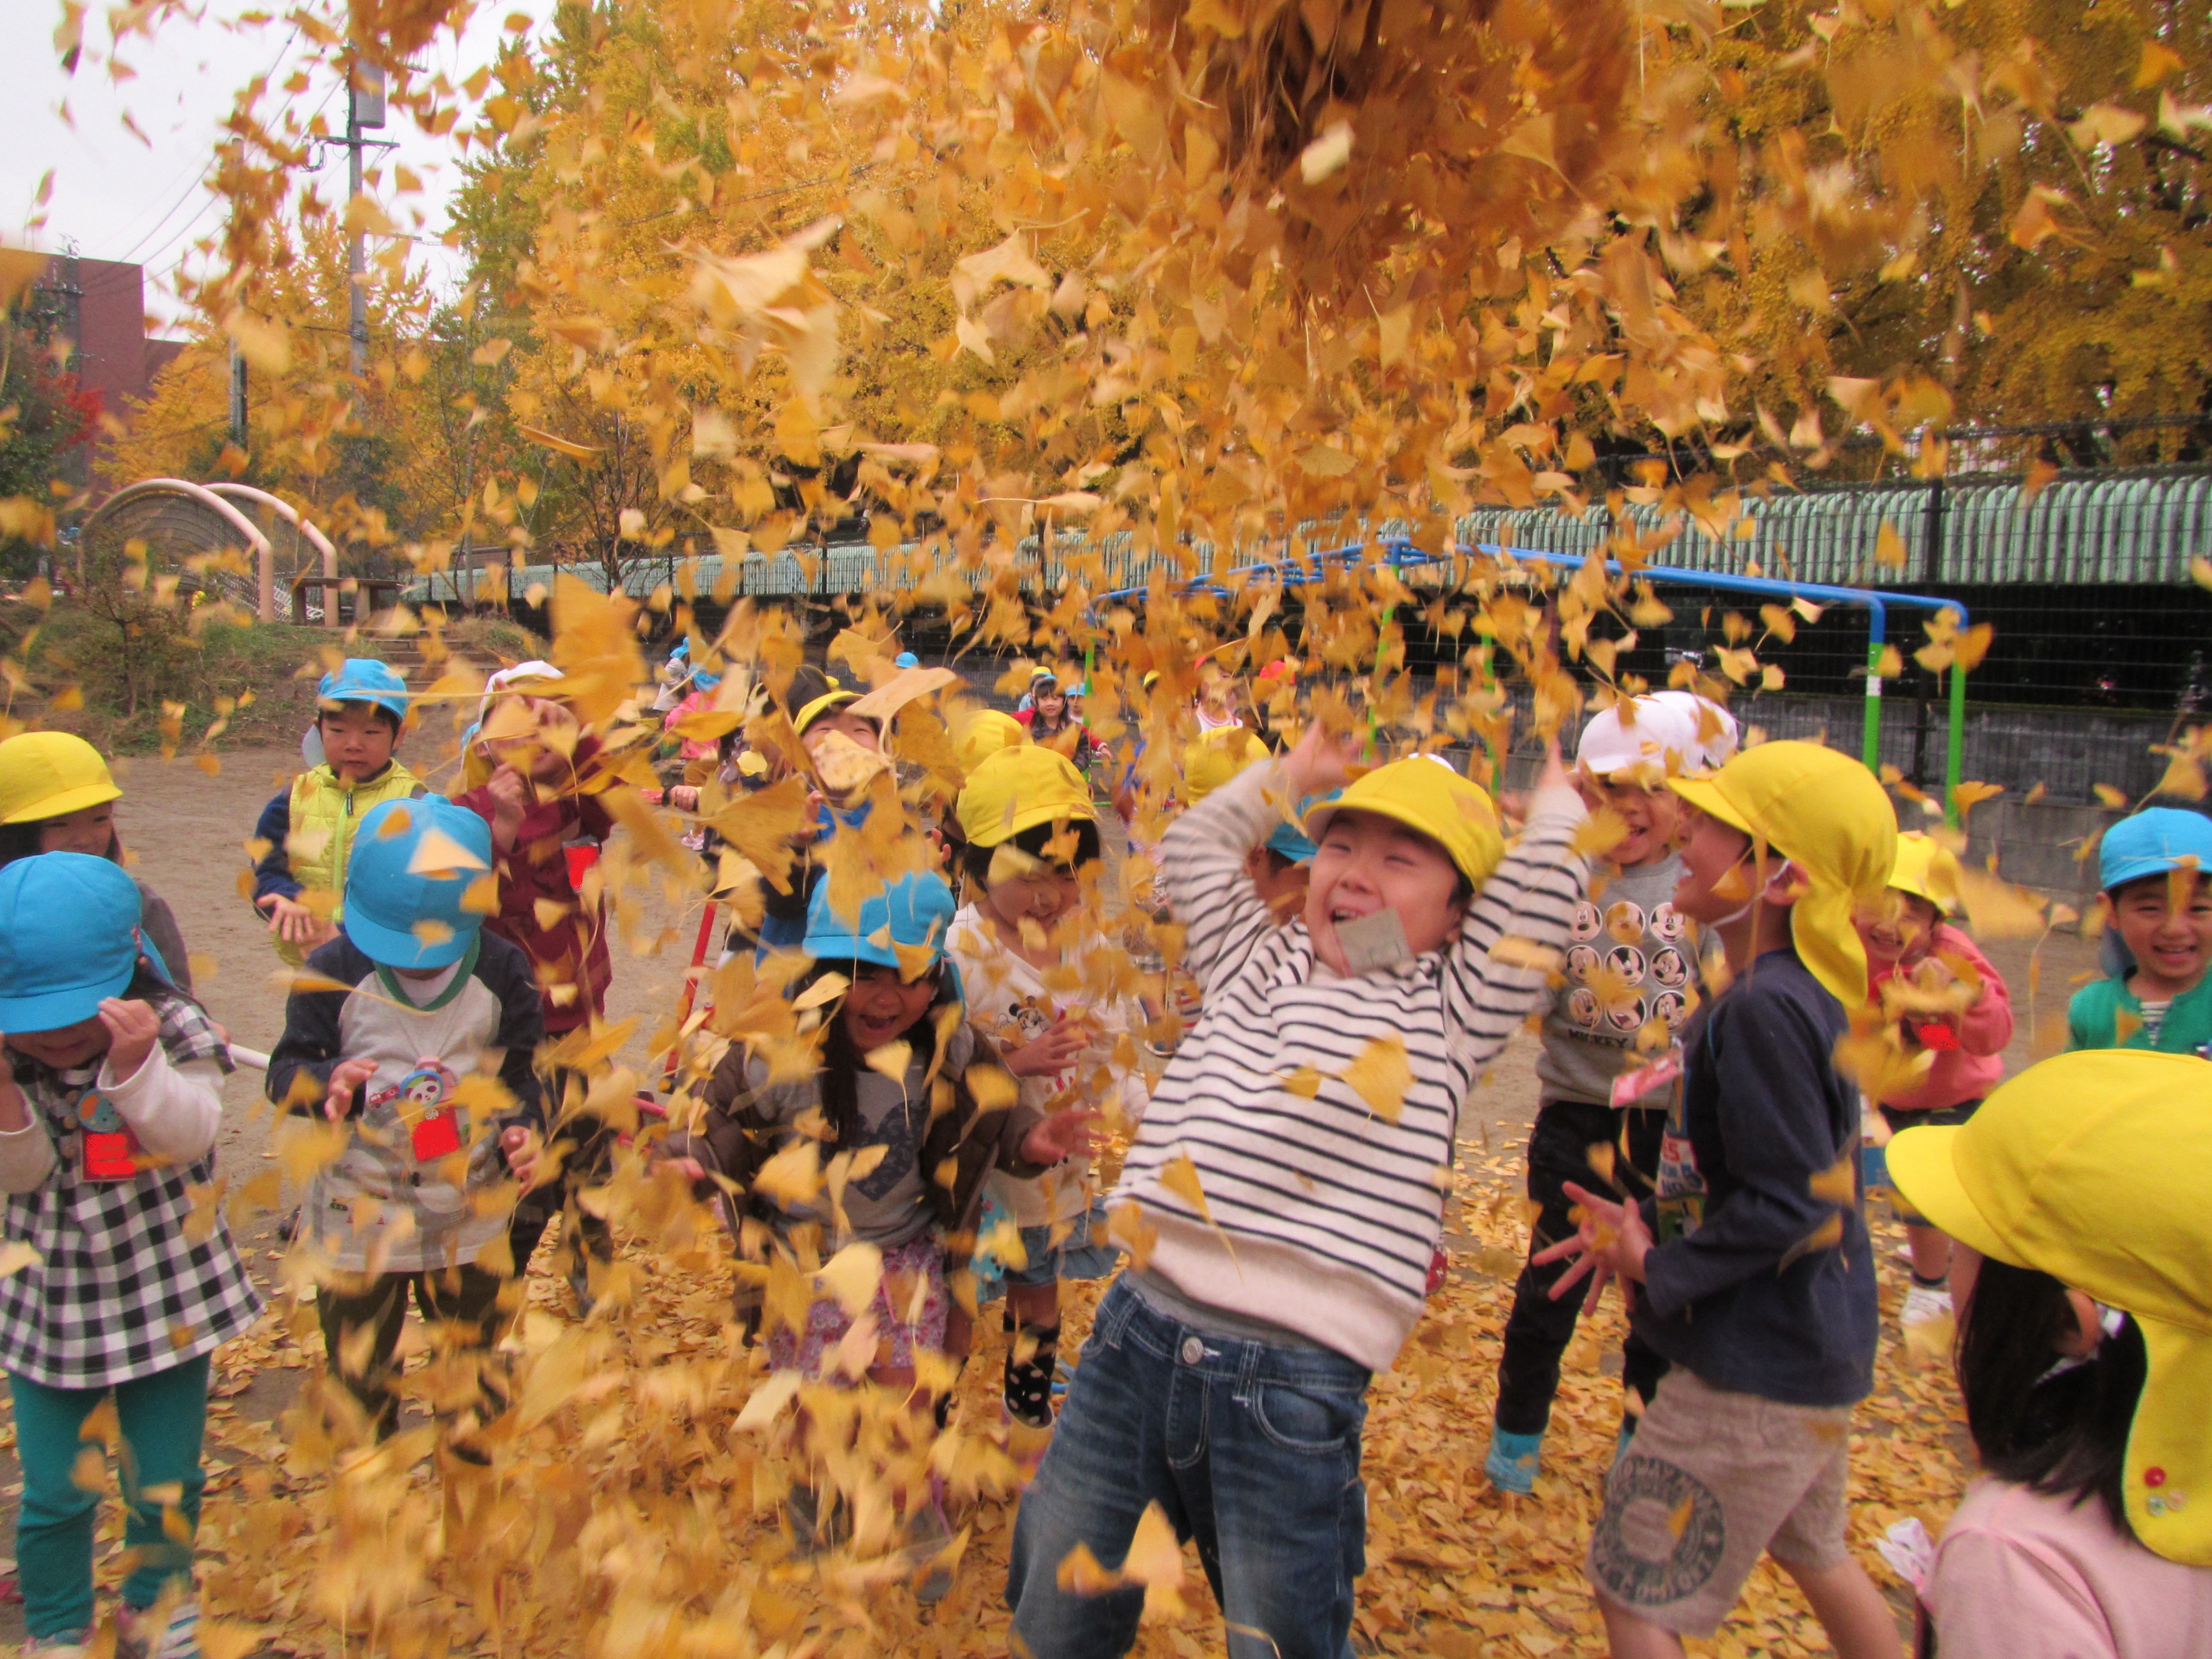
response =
{"points": [[1926, 1303], [1513, 1461], [179, 1639], [927, 1533], [69, 1644], [816, 1527]]}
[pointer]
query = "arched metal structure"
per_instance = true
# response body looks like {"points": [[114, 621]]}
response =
{"points": [[182, 519], [306, 531]]}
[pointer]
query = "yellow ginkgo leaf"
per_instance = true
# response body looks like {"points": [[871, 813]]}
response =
{"points": [[1381, 1075], [439, 856], [1179, 1176]]}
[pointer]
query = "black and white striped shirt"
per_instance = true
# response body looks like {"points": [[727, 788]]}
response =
{"points": [[1326, 1214]]}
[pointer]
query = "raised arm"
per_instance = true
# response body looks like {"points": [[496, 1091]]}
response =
{"points": [[1508, 943], [1202, 867]]}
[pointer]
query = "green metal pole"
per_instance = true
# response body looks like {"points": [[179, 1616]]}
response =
{"points": [[1871, 747], [1954, 759]]}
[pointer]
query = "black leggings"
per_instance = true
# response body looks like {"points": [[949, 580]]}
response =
{"points": [[1539, 1329]]}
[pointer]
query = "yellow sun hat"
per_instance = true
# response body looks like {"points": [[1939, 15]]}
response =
{"points": [[984, 733], [1018, 788], [1831, 817], [1927, 869], [2092, 1167], [51, 774], [1212, 758], [1425, 793]]}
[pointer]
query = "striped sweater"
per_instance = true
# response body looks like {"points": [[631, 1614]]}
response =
{"points": [[1325, 1213]]}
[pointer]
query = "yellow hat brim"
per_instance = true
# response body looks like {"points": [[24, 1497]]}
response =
{"points": [[1029, 816], [68, 801], [1702, 793], [1318, 823], [1922, 1169]]}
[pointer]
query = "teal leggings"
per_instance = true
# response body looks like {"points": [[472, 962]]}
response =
{"points": [[161, 1417]]}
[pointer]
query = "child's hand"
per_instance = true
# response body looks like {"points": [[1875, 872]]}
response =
{"points": [[346, 1077], [293, 923], [1052, 1050], [684, 797], [1063, 1135], [1610, 1244], [510, 793], [133, 1028], [522, 1146], [1555, 774], [1322, 762]]}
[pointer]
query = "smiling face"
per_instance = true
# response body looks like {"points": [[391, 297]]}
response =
{"points": [[1051, 703], [1900, 927], [880, 1008], [1368, 863], [858, 728], [1653, 818], [2168, 926], [91, 831], [1021, 886], [1716, 881], [357, 740], [64, 1048]]}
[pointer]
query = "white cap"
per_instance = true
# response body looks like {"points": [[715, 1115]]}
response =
{"points": [[535, 671], [1665, 733]]}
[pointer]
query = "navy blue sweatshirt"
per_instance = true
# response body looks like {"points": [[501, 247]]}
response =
{"points": [[1731, 1291]]}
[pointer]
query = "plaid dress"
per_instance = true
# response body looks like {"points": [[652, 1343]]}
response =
{"points": [[122, 1293]]}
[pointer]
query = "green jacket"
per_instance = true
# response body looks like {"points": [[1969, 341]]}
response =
{"points": [[323, 812], [2093, 1019]]}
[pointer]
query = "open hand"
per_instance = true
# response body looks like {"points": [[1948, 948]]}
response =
{"points": [[1610, 1243], [347, 1076], [522, 1146], [1051, 1051], [1322, 762], [133, 1028], [1063, 1135], [293, 923]]}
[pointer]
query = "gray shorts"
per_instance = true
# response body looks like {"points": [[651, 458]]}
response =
{"points": [[1712, 1480]]}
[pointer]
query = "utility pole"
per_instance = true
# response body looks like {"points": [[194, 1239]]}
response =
{"points": [[237, 396], [364, 109]]}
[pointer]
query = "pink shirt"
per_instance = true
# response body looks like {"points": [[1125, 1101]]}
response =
{"points": [[1970, 1071], [2019, 1576]]}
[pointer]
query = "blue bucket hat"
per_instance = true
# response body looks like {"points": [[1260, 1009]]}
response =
{"points": [[2152, 843], [69, 938], [364, 679], [915, 911], [411, 864]]}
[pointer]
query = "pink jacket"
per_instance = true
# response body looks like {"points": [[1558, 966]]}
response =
{"points": [[1970, 1070]]}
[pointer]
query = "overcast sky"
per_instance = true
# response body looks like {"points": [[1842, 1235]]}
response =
{"points": [[119, 199]]}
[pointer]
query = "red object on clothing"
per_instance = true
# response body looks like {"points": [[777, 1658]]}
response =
{"points": [[580, 858], [574, 949], [1970, 1050]]}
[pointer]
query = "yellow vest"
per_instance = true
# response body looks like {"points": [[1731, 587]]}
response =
{"points": [[325, 813]]}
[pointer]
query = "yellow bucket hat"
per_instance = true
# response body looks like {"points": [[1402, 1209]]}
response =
{"points": [[985, 732], [1427, 794], [1018, 788], [1210, 761], [50, 775], [1928, 869], [1830, 817], [2092, 1167]]}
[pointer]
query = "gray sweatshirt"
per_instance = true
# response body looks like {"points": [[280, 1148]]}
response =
{"points": [[1629, 958]]}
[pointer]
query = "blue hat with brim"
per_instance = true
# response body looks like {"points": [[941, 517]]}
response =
{"points": [[408, 875], [915, 911], [906, 660], [2152, 843], [1290, 840], [68, 939], [364, 679]]}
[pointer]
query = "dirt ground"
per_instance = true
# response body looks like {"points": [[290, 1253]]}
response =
{"points": [[187, 830]]}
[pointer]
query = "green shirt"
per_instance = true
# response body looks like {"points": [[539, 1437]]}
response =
{"points": [[2093, 1019]]}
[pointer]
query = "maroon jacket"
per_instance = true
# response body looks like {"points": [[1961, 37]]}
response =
{"points": [[574, 950]]}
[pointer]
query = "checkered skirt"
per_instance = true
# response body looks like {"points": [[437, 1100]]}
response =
{"points": [[120, 1292]]}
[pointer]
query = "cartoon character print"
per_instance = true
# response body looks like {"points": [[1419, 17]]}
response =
{"points": [[421, 1091], [1670, 968], [1669, 924], [1626, 961], [1673, 1007], [1586, 924], [1582, 1007], [1626, 1017], [97, 1113], [434, 1130], [1625, 922]]}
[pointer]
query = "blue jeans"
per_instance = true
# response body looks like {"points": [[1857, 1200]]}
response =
{"points": [[1253, 1450]]}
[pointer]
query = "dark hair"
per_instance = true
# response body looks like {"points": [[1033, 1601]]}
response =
{"points": [[2060, 1432], [20, 841], [975, 861], [146, 985], [376, 709], [842, 1062]]}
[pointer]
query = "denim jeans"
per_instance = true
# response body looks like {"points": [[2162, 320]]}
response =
{"points": [[1251, 1449]]}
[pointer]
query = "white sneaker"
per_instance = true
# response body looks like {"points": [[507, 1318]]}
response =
{"points": [[54, 1647], [1926, 1303]]}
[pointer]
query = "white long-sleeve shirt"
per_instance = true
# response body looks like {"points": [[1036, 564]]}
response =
{"points": [[1326, 1213], [173, 1109]]}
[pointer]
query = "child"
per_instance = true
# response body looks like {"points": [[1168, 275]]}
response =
{"points": [[1282, 1215], [1753, 1277], [527, 765], [306, 833], [2152, 868], [918, 1204], [1052, 722], [1915, 955], [1632, 978], [108, 1113], [1032, 841], [57, 795], [430, 999]]}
